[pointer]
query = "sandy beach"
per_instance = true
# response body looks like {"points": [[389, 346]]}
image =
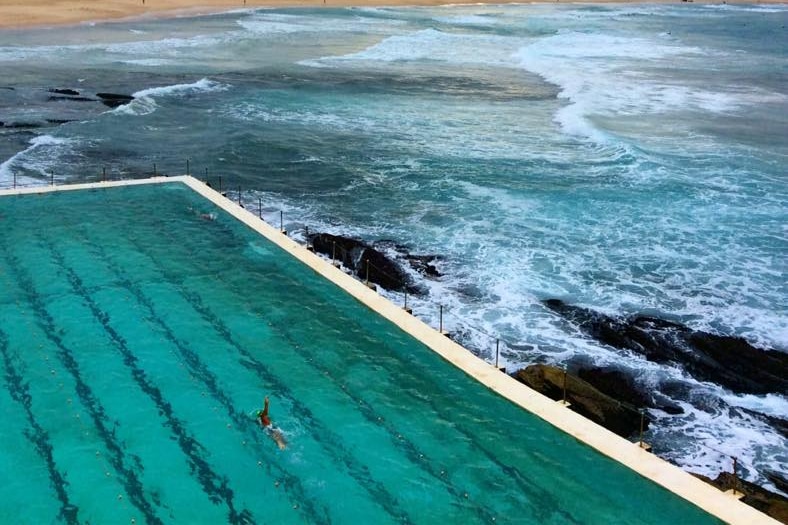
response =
{"points": [[21, 14]]}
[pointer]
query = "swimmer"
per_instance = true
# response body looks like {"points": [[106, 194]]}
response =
{"points": [[203, 215], [270, 429]]}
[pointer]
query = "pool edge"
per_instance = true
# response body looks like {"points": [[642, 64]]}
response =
{"points": [[671, 477]]}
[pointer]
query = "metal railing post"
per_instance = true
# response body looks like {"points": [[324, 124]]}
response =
{"points": [[564, 397], [735, 476], [642, 418]]}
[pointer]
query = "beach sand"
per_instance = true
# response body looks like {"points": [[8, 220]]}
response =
{"points": [[18, 14]]}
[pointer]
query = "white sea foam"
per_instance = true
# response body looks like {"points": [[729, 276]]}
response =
{"points": [[468, 20], [41, 156], [144, 101], [273, 26], [267, 23], [437, 46], [770, 404], [336, 120], [150, 62], [152, 48], [203, 85], [19, 53], [771, 8], [163, 46], [603, 74], [706, 441]]}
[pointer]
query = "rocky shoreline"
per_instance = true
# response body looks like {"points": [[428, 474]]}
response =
{"points": [[727, 361], [367, 262], [65, 100]]}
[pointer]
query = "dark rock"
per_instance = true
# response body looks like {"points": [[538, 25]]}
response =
{"points": [[623, 387], [114, 100], [614, 415], [777, 479], [337, 247], [58, 121], [423, 264], [615, 384], [777, 423], [770, 503], [64, 91], [378, 268], [8, 88], [361, 258], [670, 408], [22, 125], [727, 361], [59, 98], [767, 368]]}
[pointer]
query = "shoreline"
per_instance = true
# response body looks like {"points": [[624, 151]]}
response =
{"points": [[16, 14]]}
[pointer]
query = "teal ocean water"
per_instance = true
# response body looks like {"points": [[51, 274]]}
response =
{"points": [[136, 350], [629, 159]]}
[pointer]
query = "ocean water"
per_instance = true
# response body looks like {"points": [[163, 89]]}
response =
{"points": [[628, 158]]}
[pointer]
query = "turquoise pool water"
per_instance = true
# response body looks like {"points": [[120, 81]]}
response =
{"points": [[137, 340]]}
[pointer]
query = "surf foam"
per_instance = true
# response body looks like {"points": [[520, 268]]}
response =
{"points": [[144, 101], [33, 159]]}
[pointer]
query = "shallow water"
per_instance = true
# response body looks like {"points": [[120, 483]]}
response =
{"points": [[625, 158]]}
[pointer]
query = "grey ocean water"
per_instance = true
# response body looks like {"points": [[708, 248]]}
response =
{"points": [[629, 159]]}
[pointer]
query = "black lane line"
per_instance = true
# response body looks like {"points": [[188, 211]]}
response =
{"points": [[117, 458], [200, 371], [216, 487], [20, 392], [321, 433]]}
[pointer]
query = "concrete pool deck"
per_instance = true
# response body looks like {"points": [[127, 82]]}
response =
{"points": [[724, 506]]}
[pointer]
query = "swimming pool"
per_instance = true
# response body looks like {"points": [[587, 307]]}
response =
{"points": [[141, 328]]}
